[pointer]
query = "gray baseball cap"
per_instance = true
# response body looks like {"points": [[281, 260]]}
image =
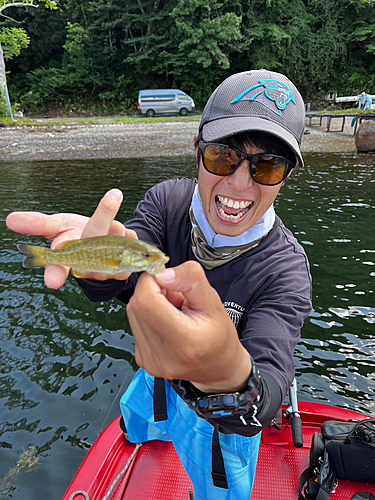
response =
{"points": [[255, 100]]}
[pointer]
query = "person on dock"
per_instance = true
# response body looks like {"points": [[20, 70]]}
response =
{"points": [[364, 101], [216, 330]]}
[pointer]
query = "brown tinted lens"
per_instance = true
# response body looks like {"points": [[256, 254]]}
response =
{"points": [[268, 169], [220, 160]]}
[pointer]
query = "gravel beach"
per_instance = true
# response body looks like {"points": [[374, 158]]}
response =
{"points": [[131, 140]]}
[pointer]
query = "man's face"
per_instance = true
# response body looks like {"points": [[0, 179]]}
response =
{"points": [[235, 203]]}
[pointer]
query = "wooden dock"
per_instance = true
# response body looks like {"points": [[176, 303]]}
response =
{"points": [[356, 119]]}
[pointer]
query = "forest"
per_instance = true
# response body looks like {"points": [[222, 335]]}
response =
{"points": [[75, 56]]}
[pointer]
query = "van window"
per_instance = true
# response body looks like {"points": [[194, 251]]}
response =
{"points": [[183, 97], [164, 97]]}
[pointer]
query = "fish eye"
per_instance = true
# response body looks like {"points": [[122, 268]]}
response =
{"points": [[146, 255]]}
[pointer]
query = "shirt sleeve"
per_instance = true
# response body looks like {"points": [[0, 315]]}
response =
{"points": [[274, 321]]}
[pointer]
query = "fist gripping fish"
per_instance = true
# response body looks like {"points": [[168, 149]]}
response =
{"points": [[101, 254]]}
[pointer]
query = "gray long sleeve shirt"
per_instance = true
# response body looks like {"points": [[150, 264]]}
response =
{"points": [[266, 291]]}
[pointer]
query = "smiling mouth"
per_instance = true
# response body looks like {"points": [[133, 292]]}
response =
{"points": [[232, 210]]}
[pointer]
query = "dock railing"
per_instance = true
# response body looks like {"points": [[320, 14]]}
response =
{"points": [[356, 119]]}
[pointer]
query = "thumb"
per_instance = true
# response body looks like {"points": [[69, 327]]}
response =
{"points": [[101, 220], [190, 280]]}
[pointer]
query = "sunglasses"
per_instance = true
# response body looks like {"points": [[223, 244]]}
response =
{"points": [[265, 169]]}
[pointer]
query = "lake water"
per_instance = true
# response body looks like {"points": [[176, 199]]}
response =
{"points": [[65, 362]]}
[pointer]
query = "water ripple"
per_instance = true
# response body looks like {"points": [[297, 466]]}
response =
{"points": [[65, 361]]}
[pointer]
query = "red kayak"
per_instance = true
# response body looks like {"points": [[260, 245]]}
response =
{"points": [[115, 469]]}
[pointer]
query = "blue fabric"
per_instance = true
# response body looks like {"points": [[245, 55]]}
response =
{"points": [[364, 101], [368, 102], [192, 438]]}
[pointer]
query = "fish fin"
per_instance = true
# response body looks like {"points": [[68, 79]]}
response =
{"points": [[35, 256], [112, 263], [67, 244], [79, 273]]}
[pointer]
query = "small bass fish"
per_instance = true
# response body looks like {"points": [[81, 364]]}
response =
{"points": [[102, 254]]}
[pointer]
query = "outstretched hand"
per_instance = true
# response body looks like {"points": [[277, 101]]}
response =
{"points": [[59, 228], [182, 331]]}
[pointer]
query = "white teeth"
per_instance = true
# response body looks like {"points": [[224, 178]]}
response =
{"points": [[233, 204], [243, 205], [234, 218]]}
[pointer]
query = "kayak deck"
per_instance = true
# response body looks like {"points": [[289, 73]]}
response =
{"points": [[280, 464], [156, 472]]}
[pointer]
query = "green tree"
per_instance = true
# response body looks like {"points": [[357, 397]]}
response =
{"points": [[105, 51], [206, 35], [185, 44], [15, 39]]}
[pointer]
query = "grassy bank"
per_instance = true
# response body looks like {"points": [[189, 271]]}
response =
{"points": [[44, 122], [350, 111], [100, 120]]}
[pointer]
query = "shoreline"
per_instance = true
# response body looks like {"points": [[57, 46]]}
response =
{"points": [[132, 140]]}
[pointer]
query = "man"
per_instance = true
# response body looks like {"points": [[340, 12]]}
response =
{"points": [[216, 331], [364, 101]]}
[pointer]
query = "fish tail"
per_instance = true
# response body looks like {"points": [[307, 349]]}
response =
{"points": [[35, 256]]}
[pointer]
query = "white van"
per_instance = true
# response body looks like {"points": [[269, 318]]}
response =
{"points": [[155, 102]]}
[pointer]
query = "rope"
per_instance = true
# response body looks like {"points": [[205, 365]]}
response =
{"points": [[114, 484], [122, 473]]}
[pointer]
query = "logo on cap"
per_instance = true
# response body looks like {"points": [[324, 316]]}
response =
{"points": [[274, 90]]}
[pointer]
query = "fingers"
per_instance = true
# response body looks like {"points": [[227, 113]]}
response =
{"points": [[130, 233], [55, 276], [175, 298], [117, 229], [103, 217], [50, 226], [187, 343], [190, 280], [16, 221], [33, 223], [186, 287], [151, 302], [60, 228], [105, 277]]}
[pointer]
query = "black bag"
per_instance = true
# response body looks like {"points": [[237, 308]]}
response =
{"points": [[343, 450]]}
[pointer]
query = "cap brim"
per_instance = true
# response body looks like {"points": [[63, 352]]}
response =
{"points": [[226, 127]]}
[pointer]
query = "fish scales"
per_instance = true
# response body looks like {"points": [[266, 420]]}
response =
{"points": [[87, 256], [101, 254]]}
